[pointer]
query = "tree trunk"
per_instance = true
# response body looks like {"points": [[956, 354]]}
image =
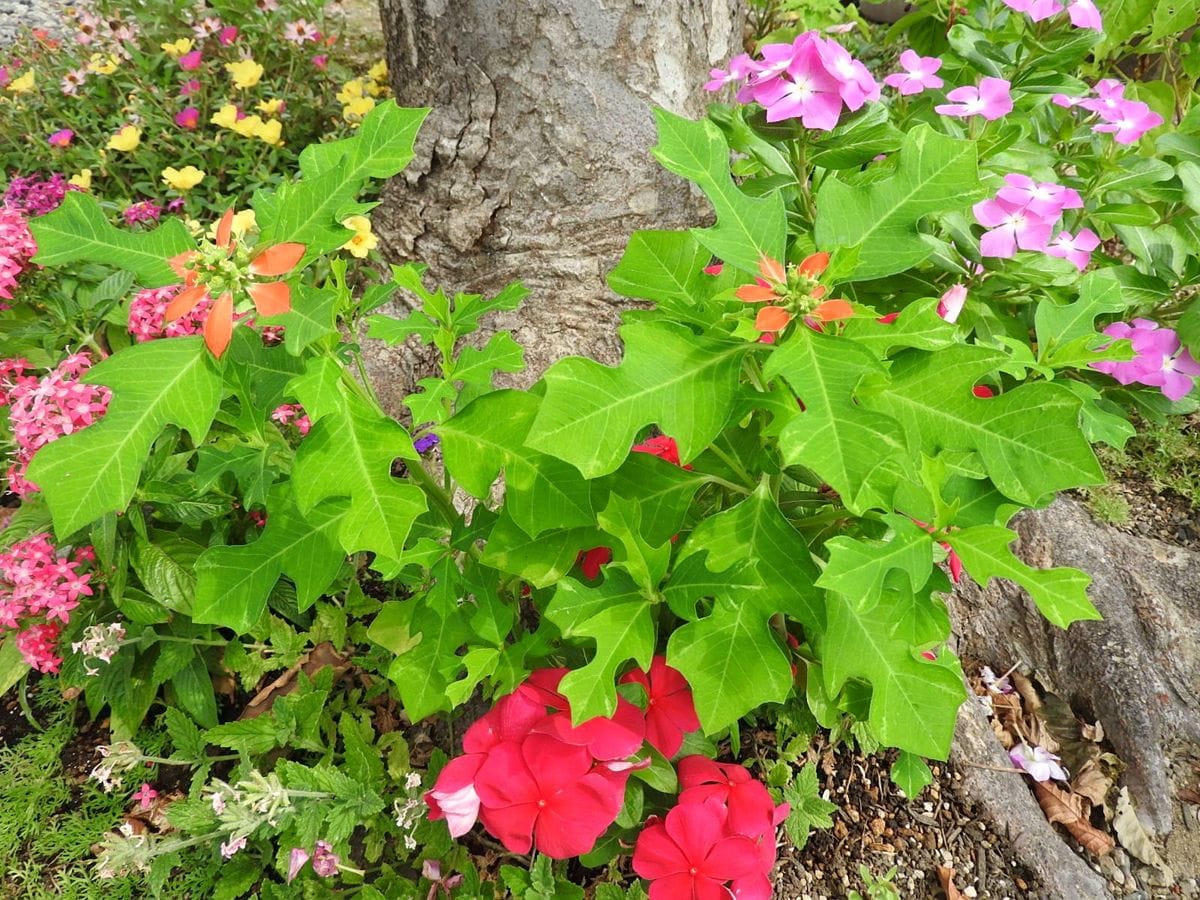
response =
{"points": [[534, 163]]}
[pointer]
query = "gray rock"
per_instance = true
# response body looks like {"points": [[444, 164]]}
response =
{"points": [[15, 14]]}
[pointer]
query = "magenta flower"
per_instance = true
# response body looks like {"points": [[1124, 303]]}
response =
{"points": [[1036, 9], [808, 93], [320, 61], [1044, 199], [148, 310], [189, 87], [324, 861], [1011, 226], [227, 35], [1131, 120], [142, 211], [1110, 94], [1037, 762], [188, 117], [951, 303], [189, 62], [61, 138], [145, 795], [992, 99], [1159, 359], [740, 68], [856, 84], [1084, 14], [1077, 249], [918, 73]]}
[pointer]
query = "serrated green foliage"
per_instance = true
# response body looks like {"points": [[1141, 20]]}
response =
{"points": [[78, 231], [809, 809], [312, 317], [234, 582], [487, 437], [541, 561], [1060, 593], [670, 377], [95, 471], [935, 174], [1099, 293], [667, 267], [747, 227], [860, 452], [663, 491], [616, 615], [1027, 458]]}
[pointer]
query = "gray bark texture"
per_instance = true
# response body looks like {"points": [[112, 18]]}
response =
{"points": [[534, 164]]}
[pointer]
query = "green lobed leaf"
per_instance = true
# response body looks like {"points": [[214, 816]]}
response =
{"points": [[809, 809], [313, 316], [669, 376], [234, 582], [78, 231], [859, 568], [1060, 593], [911, 774], [542, 560], [95, 471], [645, 564], [935, 174], [425, 667], [1099, 293], [747, 227]]}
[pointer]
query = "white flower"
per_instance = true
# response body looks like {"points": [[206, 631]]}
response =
{"points": [[1039, 763]]}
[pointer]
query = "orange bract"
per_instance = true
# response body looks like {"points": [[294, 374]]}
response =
{"points": [[771, 269], [218, 327], [185, 301], [832, 310], [278, 259], [772, 318], [271, 297], [225, 229], [814, 265], [754, 293]]}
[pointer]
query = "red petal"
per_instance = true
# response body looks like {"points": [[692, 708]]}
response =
{"points": [[695, 828], [714, 269], [592, 561], [218, 327], [270, 297], [576, 816], [832, 310], [179, 261], [277, 260], [225, 228], [771, 269], [694, 770], [814, 265], [185, 301], [754, 293], [656, 856], [772, 318], [732, 857]]}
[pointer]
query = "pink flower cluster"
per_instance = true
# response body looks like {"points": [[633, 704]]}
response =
{"points": [[36, 582], [809, 79], [36, 196], [142, 211], [1083, 13], [1125, 120], [718, 841], [292, 414], [17, 247], [1159, 359], [149, 308], [1024, 214], [44, 409]]}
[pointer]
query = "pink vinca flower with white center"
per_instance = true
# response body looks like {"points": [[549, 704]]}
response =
{"points": [[1043, 198], [992, 99], [856, 84], [919, 73], [740, 68], [1132, 120], [809, 93], [1076, 249], [1010, 227], [1084, 14]]}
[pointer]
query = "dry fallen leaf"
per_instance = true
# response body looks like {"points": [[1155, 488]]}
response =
{"points": [[1028, 692], [945, 876], [1092, 782], [310, 663], [1133, 835], [1060, 806], [1187, 795]]}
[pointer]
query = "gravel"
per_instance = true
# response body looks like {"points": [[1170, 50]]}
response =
{"points": [[15, 14]]}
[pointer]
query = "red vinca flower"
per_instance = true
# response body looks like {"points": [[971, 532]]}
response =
{"points": [[688, 856], [670, 712], [752, 812]]}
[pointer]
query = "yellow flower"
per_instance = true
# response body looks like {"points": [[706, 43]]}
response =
{"points": [[99, 66], [270, 107], [245, 72], [375, 89], [356, 109], [126, 139], [247, 126], [183, 179], [226, 116], [378, 72], [351, 90], [83, 180], [24, 84], [176, 49], [270, 133], [363, 240]]}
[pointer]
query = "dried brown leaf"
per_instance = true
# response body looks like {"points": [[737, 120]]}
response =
{"points": [[1092, 782], [945, 876], [1188, 795], [1028, 693], [1134, 837], [1094, 733], [310, 663], [1066, 809]]}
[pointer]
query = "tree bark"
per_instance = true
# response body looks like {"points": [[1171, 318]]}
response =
{"points": [[534, 163]]}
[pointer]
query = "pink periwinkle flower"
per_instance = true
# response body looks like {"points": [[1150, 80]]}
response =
{"points": [[1159, 359], [190, 62], [1076, 249], [44, 409], [1037, 762], [149, 308], [951, 303], [324, 860], [188, 117], [1084, 14], [292, 414], [919, 73], [61, 138], [141, 211], [17, 247], [1010, 227], [1132, 119], [992, 99], [1036, 9], [1045, 198], [740, 68]]}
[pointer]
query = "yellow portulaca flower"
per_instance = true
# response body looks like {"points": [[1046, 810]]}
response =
{"points": [[98, 65], [24, 84], [182, 180], [126, 139], [355, 110], [270, 133], [176, 49], [248, 126], [379, 71], [225, 117], [270, 107], [363, 241], [246, 73], [83, 180], [375, 89], [351, 91]]}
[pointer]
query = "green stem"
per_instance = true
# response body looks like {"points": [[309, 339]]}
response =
{"points": [[729, 485], [732, 463], [440, 497]]}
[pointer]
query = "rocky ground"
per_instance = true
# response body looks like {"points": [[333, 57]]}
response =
{"points": [[33, 13]]}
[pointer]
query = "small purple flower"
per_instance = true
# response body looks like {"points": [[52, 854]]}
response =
{"points": [[992, 99], [296, 861], [426, 442], [918, 73], [174, 206], [324, 860], [1039, 763]]}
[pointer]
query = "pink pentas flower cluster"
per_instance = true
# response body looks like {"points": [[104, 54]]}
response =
{"points": [[36, 196], [1160, 360], [149, 308], [44, 409], [142, 211], [1024, 215], [718, 841], [292, 414], [17, 247], [1126, 120], [39, 587], [810, 79], [1082, 13]]}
